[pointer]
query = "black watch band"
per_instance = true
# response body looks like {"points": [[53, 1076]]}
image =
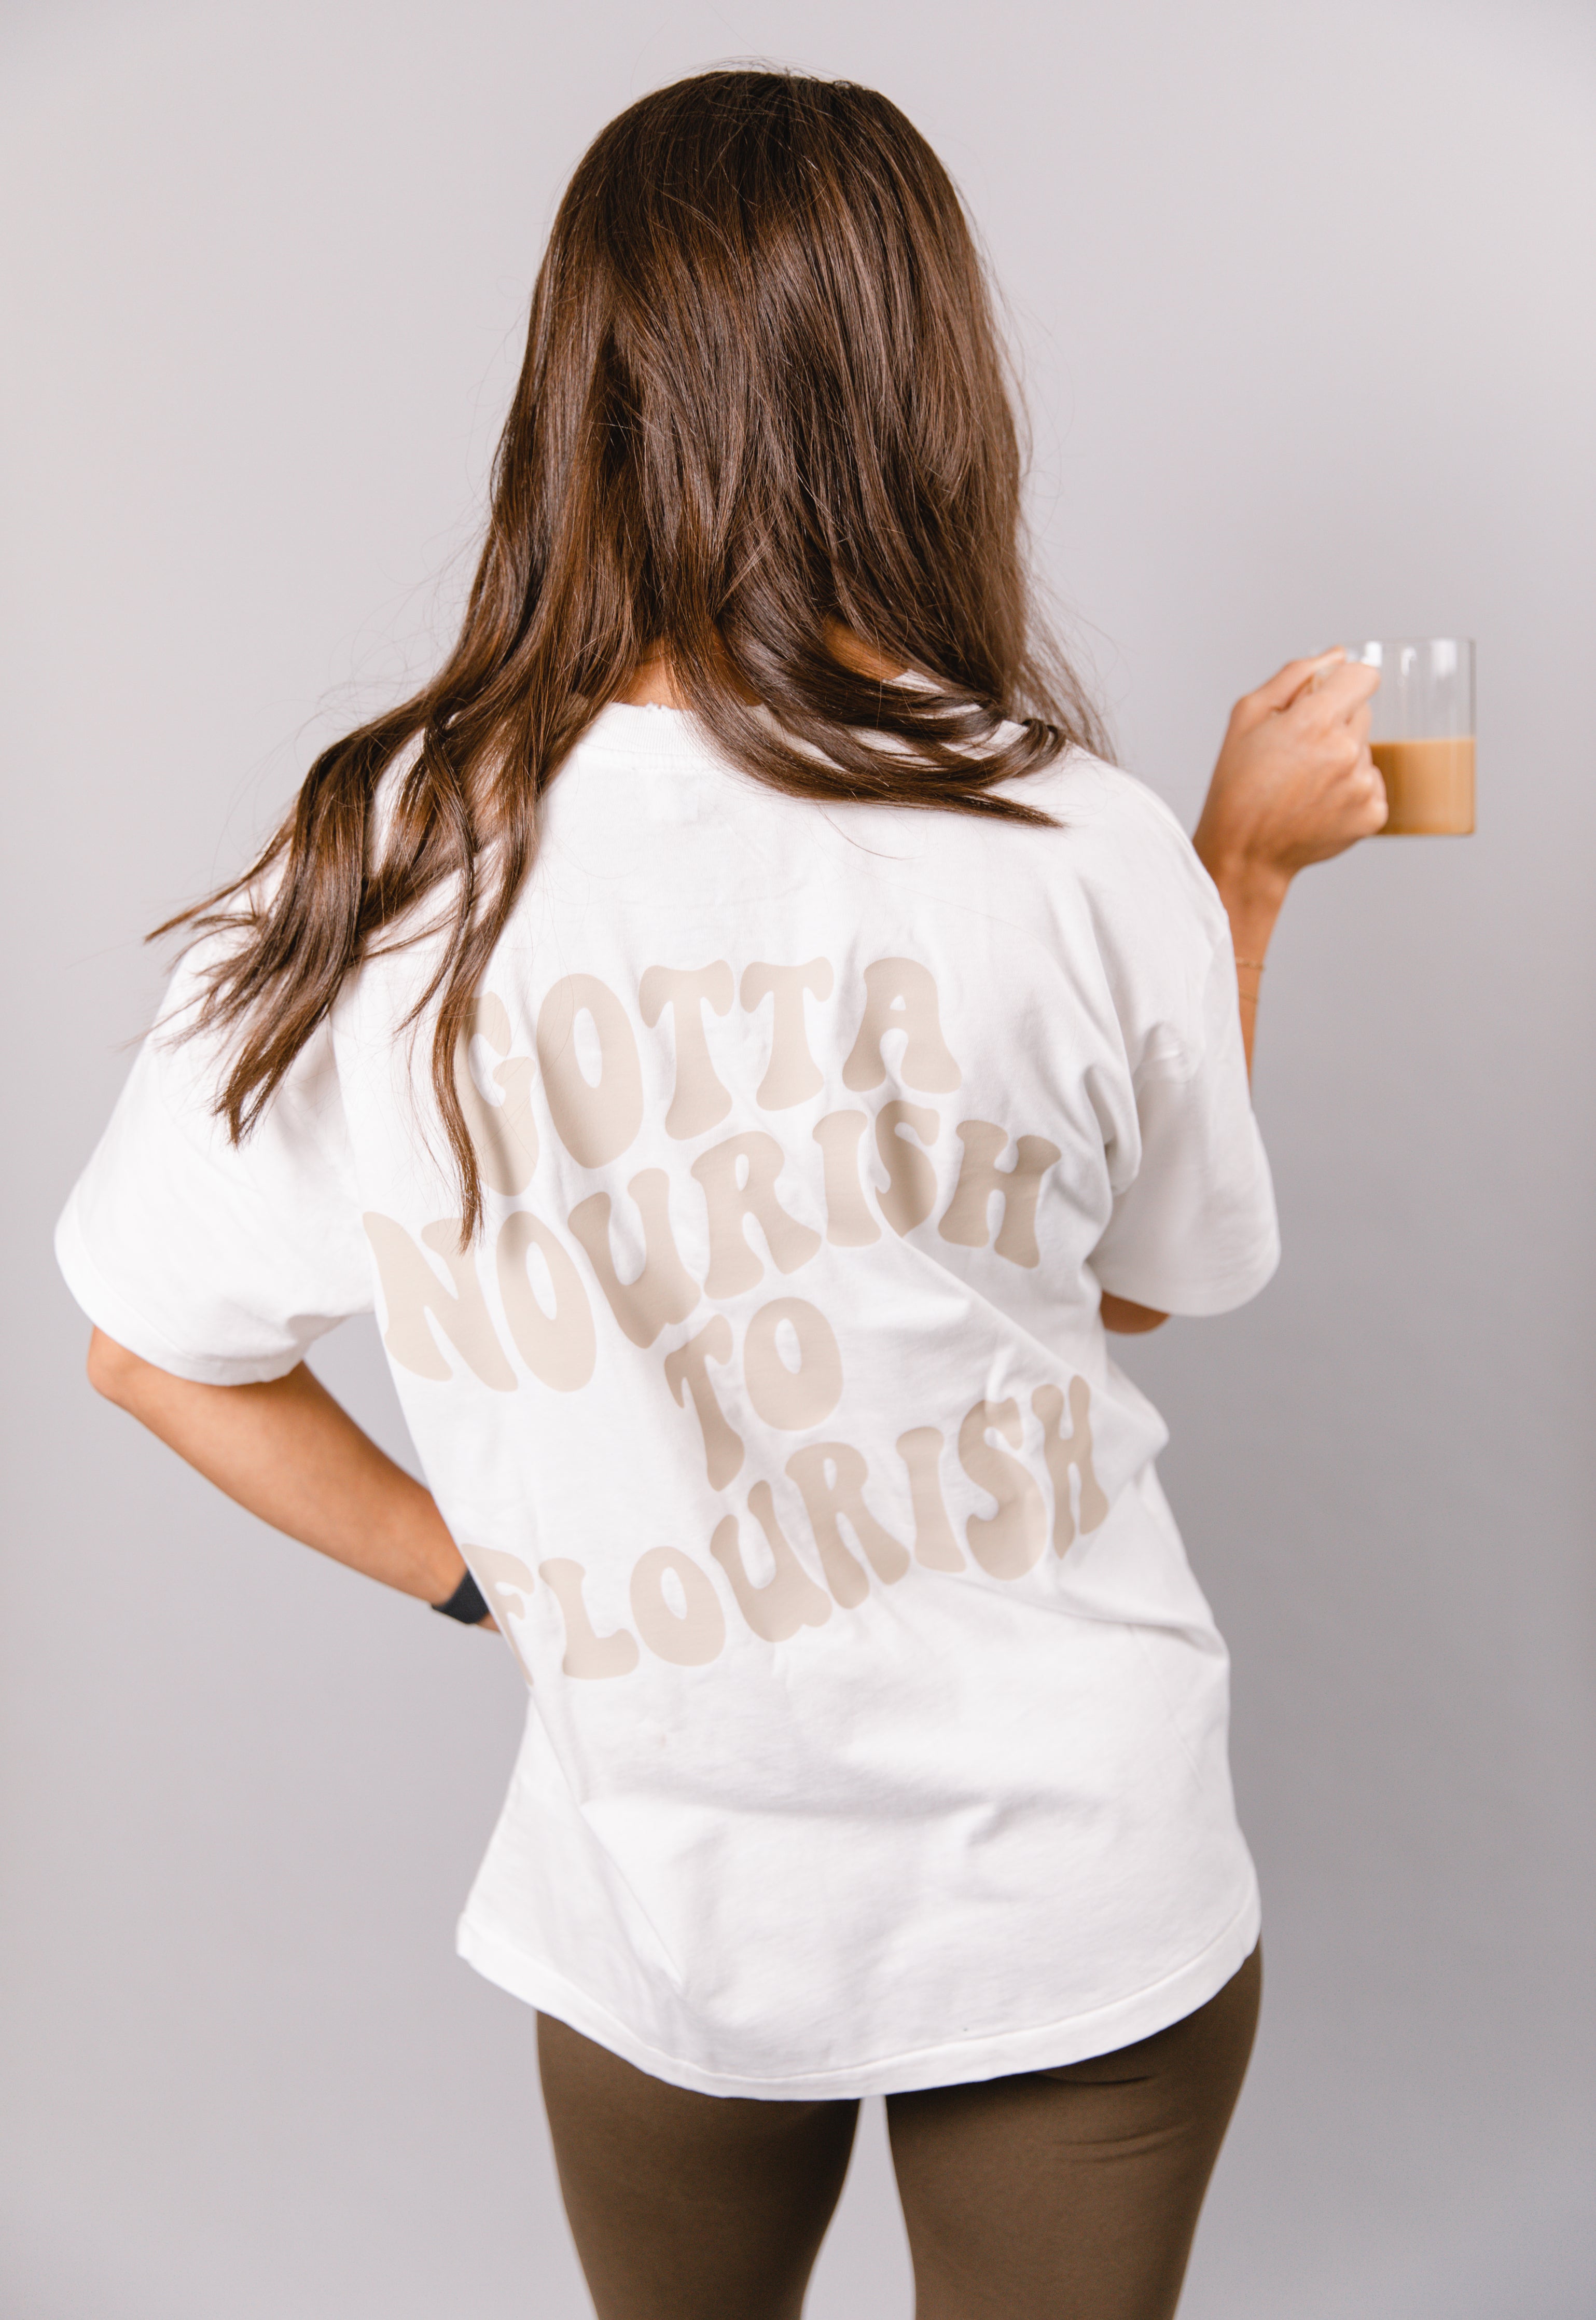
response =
{"points": [[468, 1603]]}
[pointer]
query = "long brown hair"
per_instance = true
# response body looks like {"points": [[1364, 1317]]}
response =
{"points": [[763, 395]]}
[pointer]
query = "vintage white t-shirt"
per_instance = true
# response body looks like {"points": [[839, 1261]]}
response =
{"points": [[877, 1727]]}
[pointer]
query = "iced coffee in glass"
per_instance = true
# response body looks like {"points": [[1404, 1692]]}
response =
{"points": [[1421, 733]]}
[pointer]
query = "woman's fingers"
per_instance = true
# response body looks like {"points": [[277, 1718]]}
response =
{"points": [[1376, 809], [1284, 686], [1379, 804], [1341, 691], [1345, 802], [1295, 781], [1327, 686]]}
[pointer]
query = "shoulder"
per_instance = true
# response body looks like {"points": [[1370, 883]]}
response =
{"points": [[1117, 838], [1091, 795]]}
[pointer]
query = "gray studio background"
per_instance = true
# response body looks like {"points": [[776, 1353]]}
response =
{"points": [[1306, 303]]}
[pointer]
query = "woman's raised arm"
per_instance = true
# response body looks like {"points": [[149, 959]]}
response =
{"points": [[1294, 784]]}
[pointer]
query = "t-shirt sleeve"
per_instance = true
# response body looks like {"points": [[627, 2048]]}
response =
{"points": [[1193, 1228], [220, 1262]]}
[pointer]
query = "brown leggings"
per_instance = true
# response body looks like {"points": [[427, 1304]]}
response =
{"points": [[1067, 2194]]}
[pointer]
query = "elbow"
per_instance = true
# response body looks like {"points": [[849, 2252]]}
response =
{"points": [[112, 1370]]}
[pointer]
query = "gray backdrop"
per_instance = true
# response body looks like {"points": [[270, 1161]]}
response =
{"points": [[1306, 303]]}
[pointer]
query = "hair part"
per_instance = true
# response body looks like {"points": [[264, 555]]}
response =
{"points": [[763, 395]]}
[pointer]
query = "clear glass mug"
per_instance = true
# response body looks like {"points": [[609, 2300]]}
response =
{"points": [[1421, 733]]}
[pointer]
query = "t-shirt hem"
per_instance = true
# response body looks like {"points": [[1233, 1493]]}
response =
{"points": [[953, 2062], [1194, 1299], [109, 1311]]}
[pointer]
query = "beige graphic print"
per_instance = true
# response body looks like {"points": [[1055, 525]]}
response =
{"points": [[830, 1479], [775, 1608], [509, 1584], [792, 1398], [691, 1636], [509, 1580], [559, 1347], [791, 1369], [586, 1654], [1066, 1450], [701, 1100], [793, 1074], [663, 1291], [688, 1369], [677, 1613], [849, 1223], [1008, 1543], [900, 995], [504, 1135], [920, 1449], [979, 1178], [596, 1120], [911, 1177], [412, 1290], [732, 1200]]}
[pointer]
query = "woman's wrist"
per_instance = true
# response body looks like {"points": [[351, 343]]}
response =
{"points": [[437, 1566], [1252, 893]]}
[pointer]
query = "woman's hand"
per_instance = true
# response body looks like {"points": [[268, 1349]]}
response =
{"points": [[1294, 784]]}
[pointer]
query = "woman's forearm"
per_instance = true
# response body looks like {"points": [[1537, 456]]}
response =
{"points": [[1253, 902], [288, 1453], [1294, 784]]}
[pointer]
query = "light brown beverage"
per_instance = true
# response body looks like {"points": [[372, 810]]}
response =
{"points": [[1429, 786]]}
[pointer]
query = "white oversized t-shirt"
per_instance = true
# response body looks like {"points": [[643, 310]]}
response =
{"points": [[877, 1727]]}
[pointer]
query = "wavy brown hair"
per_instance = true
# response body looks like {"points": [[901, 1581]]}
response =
{"points": [[762, 397]]}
